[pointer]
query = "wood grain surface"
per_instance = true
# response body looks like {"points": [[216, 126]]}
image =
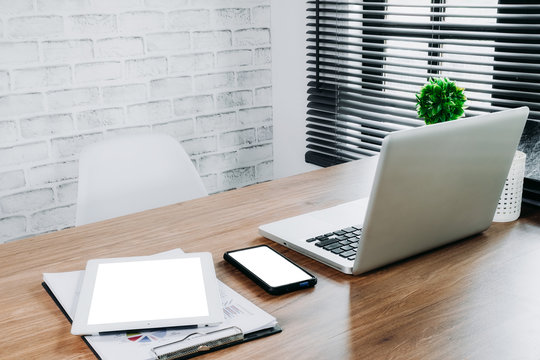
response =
{"points": [[478, 298]]}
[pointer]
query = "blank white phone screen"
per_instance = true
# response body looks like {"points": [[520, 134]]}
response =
{"points": [[148, 290], [269, 266]]}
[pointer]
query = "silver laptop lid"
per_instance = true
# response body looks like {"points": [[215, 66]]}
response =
{"points": [[437, 184]]}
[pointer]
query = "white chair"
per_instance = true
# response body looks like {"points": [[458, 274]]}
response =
{"points": [[128, 174]]}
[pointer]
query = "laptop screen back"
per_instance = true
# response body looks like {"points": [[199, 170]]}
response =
{"points": [[437, 184]]}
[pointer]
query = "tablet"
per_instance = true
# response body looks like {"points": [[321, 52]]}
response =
{"points": [[147, 293]]}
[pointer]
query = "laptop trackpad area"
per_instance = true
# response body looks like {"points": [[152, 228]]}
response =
{"points": [[302, 227]]}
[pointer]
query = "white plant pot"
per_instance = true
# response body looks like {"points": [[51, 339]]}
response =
{"points": [[509, 206]]}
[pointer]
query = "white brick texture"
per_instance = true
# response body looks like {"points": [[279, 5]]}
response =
{"points": [[166, 4], [238, 177], [237, 138], [170, 86], [35, 26], [67, 193], [234, 58], [20, 104], [51, 219], [214, 81], [169, 41], [212, 39], [141, 22], [216, 122], [119, 47], [117, 5], [255, 115], [148, 67], [12, 180], [234, 99], [8, 131], [4, 81], [222, 161], [18, 52], [62, 5], [190, 63], [252, 78], [124, 94], [149, 112], [16, 7], [91, 24], [250, 37], [25, 153], [74, 72], [99, 71], [47, 125], [262, 56], [180, 129], [100, 118], [53, 173], [261, 15], [72, 98], [263, 96], [67, 50], [231, 18], [193, 104], [41, 77], [189, 19], [26, 201], [71, 146], [12, 227]]}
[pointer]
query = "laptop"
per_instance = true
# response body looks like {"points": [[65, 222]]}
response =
{"points": [[433, 185]]}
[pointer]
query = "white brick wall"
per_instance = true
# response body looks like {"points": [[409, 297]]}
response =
{"points": [[73, 72]]}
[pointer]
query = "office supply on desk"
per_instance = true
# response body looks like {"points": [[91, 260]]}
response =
{"points": [[437, 306], [172, 290], [168, 343], [270, 270], [433, 185], [198, 342]]}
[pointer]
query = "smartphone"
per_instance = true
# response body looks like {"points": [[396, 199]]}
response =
{"points": [[270, 270]]}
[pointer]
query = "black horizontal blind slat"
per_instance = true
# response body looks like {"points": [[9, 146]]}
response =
{"points": [[457, 31], [513, 88], [504, 77], [327, 51], [344, 14], [330, 35], [353, 56], [367, 59]]}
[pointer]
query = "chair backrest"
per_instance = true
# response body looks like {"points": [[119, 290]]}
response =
{"points": [[128, 174]]}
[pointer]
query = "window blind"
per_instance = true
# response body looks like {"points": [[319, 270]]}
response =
{"points": [[367, 59]]}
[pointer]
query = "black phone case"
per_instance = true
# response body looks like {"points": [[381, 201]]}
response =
{"points": [[269, 289]]}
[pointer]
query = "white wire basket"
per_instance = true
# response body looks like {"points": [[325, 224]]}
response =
{"points": [[509, 206]]}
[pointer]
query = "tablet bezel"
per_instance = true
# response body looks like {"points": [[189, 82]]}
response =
{"points": [[80, 324]]}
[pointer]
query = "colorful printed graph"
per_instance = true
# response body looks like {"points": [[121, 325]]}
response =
{"points": [[146, 336], [231, 312]]}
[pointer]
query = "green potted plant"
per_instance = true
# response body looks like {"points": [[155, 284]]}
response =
{"points": [[440, 100]]}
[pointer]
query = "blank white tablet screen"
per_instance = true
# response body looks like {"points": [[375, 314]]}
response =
{"points": [[148, 290]]}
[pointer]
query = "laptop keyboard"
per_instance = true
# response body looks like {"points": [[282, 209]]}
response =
{"points": [[342, 243]]}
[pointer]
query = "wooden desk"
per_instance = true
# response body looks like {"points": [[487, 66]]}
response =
{"points": [[475, 299]]}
